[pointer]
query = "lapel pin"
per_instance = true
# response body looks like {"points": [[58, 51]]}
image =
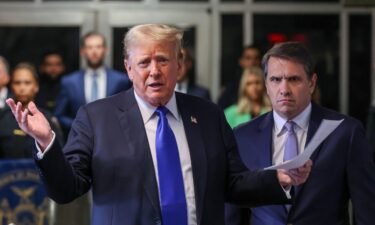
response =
{"points": [[193, 119]]}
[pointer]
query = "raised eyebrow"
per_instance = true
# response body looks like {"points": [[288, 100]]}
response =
{"points": [[161, 57]]}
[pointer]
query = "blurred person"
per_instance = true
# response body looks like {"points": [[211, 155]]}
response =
{"points": [[250, 57], [4, 80], [343, 168], [94, 82], [15, 143], [124, 147], [185, 83], [252, 101], [51, 71]]}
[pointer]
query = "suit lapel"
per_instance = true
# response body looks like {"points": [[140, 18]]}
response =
{"points": [[265, 132], [197, 152], [315, 120], [80, 90], [134, 131]]}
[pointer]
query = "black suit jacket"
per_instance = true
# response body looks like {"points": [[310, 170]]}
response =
{"points": [[108, 151]]}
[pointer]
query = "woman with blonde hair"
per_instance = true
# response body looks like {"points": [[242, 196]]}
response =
{"points": [[252, 99]]}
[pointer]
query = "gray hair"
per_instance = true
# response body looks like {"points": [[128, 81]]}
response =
{"points": [[153, 32]]}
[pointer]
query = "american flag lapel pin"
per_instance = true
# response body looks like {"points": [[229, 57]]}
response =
{"points": [[193, 119]]}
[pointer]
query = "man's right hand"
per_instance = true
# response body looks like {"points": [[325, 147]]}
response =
{"points": [[295, 176], [33, 122]]}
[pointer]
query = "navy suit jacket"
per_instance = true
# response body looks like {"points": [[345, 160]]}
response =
{"points": [[342, 169], [72, 93], [108, 151]]}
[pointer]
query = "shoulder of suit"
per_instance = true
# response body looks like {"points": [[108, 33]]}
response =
{"points": [[115, 72], [72, 76], [255, 123]]}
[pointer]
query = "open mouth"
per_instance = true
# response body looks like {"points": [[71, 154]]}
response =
{"points": [[155, 85]]}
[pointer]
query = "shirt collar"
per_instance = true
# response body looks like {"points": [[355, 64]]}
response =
{"points": [[302, 120], [99, 71], [148, 110]]}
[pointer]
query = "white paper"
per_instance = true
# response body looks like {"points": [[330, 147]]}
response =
{"points": [[326, 128]]}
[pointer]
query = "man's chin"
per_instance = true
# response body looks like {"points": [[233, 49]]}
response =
{"points": [[94, 64]]}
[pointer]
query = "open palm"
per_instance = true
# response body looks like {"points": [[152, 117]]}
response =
{"points": [[32, 121]]}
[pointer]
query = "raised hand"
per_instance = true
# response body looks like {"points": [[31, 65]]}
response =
{"points": [[295, 176], [33, 122]]}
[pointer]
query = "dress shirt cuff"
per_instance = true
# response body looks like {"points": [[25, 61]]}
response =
{"points": [[287, 191], [40, 154]]}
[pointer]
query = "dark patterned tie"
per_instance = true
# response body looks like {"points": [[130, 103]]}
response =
{"points": [[171, 184]]}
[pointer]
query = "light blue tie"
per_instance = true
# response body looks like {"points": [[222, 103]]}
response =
{"points": [[291, 147], [171, 184], [94, 87], [291, 144]]}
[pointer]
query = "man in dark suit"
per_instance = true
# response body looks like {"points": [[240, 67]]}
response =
{"points": [[51, 70], [343, 168], [87, 85], [185, 80], [117, 145]]}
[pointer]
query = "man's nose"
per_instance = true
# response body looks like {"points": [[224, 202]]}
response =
{"points": [[154, 69], [284, 87]]}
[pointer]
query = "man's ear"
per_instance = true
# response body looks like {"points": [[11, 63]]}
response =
{"points": [[128, 69], [313, 83]]}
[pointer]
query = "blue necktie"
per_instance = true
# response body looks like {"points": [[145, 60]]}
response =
{"points": [[94, 87], [171, 185], [291, 145]]}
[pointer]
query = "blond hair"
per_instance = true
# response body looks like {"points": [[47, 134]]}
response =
{"points": [[244, 105], [153, 32]]}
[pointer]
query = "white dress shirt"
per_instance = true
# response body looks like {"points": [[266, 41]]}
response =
{"points": [[101, 81], [280, 134], [150, 120]]}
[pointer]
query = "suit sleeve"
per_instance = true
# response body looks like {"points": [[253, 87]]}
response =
{"points": [[361, 177], [66, 173], [249, 188]]}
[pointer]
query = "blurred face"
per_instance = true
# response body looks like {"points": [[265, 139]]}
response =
{"points": [[94, 51], [24, 86], [153, 67], [254, 87], [185, 67], [53, 66], [4, 76], [288, 87], [250, 58]]}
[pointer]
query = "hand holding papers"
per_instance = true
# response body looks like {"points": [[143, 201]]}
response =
{"points": [[325, 129]]}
